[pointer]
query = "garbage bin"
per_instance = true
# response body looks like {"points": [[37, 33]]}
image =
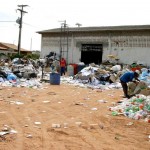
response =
{"points": [[70, 70], [54, 78]]}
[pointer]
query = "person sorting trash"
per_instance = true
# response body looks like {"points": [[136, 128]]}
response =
{"points": [[129, 77]]}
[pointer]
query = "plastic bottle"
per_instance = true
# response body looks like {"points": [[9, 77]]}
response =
{"points": [[147, 107], [139, 100], [135, 108], [115, 113], [127, 109], [141, 106], [131, 115]]}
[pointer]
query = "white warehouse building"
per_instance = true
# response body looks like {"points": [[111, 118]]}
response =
{"points": [[94, 44]]}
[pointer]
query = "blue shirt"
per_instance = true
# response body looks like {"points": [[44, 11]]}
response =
{"points": [[127, 77]]}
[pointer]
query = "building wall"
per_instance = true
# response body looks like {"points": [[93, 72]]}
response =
{"points": [[49, 44], [128, 47], [74, 46], [52, 44]]}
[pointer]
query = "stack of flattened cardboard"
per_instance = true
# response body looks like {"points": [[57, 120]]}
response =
{"points": [[140, 88]]}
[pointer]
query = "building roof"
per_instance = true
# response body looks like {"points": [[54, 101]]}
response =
{"points": [[3, 48], [102, 28], [12, 46]]}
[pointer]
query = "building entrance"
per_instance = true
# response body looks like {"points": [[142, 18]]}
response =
{"points": [[91, 53]]}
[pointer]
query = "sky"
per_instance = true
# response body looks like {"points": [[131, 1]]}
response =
{"points": [[49, 14]]}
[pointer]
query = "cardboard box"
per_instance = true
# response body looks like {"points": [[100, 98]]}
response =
{"points": [[145, 92]]}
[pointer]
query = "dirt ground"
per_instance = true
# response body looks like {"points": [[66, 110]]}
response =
{"points": [[67, 117]]}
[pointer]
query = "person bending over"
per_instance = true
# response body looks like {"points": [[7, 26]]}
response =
{"points": [[128, 77]]}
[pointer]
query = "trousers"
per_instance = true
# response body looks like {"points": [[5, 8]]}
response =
{"points": [[125, 88]]}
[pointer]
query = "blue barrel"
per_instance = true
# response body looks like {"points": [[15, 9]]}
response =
{"points": [[54, 78]]}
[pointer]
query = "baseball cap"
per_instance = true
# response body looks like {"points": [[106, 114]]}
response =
{"points": [[138, 72]]}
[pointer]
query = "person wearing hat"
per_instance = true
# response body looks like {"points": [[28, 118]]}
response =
{"points": [[129, 77]]}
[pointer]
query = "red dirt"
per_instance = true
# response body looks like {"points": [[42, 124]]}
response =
{"points": [[68, 105]]}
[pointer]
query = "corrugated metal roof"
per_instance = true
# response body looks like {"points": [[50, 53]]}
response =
{"points": [[102, 28]]}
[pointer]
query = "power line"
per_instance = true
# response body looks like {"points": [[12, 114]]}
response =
{"points": [[30, 25], [7, 21], [23, 23]]}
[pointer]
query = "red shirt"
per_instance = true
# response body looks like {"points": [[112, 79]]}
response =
{"points": [[63, 63]]}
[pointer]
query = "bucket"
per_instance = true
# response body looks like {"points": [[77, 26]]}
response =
{"points": [[54, 78], [70, 70]]}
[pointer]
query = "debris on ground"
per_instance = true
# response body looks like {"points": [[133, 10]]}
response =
{"points": [[137, 107]]}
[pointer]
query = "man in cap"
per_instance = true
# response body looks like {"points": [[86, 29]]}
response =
{"points": [[128, 77]]}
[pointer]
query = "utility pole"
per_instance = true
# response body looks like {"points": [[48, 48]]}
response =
{"points": [[31, 45], [19, 21], [64, 40], [63, 25]]}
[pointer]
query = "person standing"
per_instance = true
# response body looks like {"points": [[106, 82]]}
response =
{"points": [[63, 66], [128, 77]]}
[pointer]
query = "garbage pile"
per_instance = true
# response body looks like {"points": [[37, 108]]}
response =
{"points": [[107, 77], [19, 73], [145, 75], [27, 72], [137, 107], [97, 76]]}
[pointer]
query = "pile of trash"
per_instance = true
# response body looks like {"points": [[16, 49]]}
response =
{"points": [[95, 76], [19, 73], [26, 72], [145, 75], [107, 77], [137, 107]]}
